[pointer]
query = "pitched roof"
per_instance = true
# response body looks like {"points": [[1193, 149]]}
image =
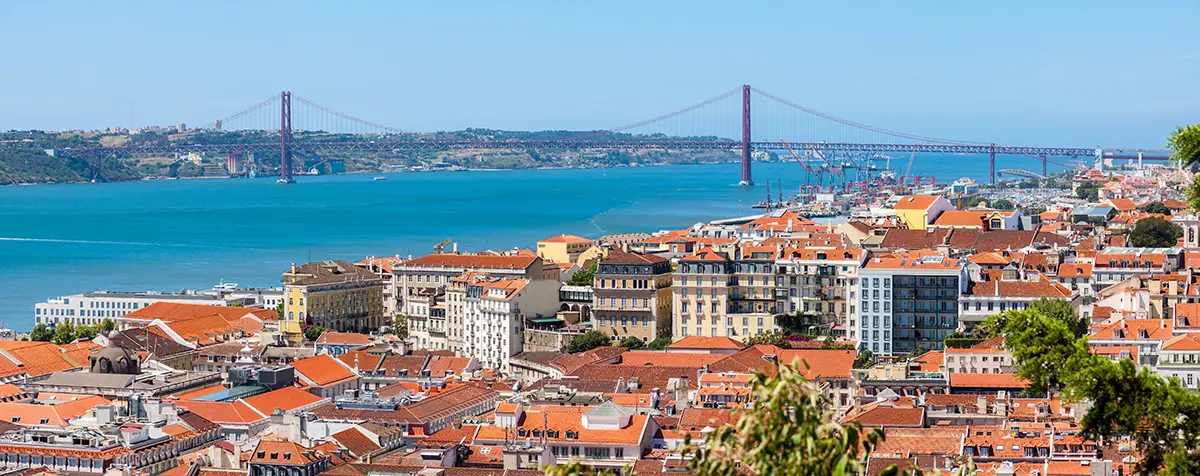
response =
{"points": [[53, 410], [1075, 270], [706, 254], [1185, 342], [344, 338], [882, 415], [908, 442], [703, 342], [916, 202], [282, 453], [898, 238], [565, 238], [1134, 329], [34, 359], [1042, 288], [330, 272], [913, 259], [235, 413], [354, 440], [997, 381], [1122, 204], [964, 218], [322, 370], [473, 261], [813, 363], [621, 257], [171, 311], [286, 399]]}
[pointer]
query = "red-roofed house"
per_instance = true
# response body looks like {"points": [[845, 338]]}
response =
{"points": [[325, 376], [705, 345]]}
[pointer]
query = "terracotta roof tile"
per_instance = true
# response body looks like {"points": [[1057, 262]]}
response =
{"points": [[703, 342], [354, 440], [322, 370], [287, 399], [473, 261]]}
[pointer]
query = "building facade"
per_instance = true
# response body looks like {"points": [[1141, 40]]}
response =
{"points": [[495, 313], [633, 296], [908, 300], [332, 294], [563, 248]]}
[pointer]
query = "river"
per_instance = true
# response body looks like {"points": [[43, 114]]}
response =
{"points": [[169, 235]]}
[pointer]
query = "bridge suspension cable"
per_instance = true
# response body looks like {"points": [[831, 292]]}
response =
{"points": [[260, 106], [858, 125], [375, 125]]}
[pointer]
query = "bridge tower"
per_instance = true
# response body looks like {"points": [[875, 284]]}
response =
{"points": [[992, 163], [746, 178], [285, 136]]}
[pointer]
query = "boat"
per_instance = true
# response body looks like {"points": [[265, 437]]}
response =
{"points": [[380, 178]]}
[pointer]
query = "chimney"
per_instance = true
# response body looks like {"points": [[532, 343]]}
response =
{"points": [[455, 247], [293, 268], [981, 404]]}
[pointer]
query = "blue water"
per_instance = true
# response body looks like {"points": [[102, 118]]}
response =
{"points": [[170, 235]]}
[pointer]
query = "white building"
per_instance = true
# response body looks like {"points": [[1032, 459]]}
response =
{"points": [[92, 308], [421, 288], [821, 282], [494, 316], [908, 300]]}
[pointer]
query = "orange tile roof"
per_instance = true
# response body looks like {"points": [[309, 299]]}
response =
{"points": [[703, 342], [9, 390], [916, 202], [706, 254], [354, 440], [1185, 342], [282, 453], [1042, 288], [385, 264], [562, 421], [322, 370], [660, 358], [912, 259], [999, 381], [344, 338], [286, 399], [1133, 329], [931, 361], [170, 312], [440, 366], [55, 414], [813, 363], [237, 413], [1075, 270], [473, 261], [565, 238], [33, 358], [964, 218], [886, 416], [1122, 204], [361, 359], [909, 442]]}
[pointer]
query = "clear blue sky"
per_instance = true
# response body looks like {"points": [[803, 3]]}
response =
{"points": [[1112, 73]]}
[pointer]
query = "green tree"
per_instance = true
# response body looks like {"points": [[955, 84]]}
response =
{"points": [[107, 326], [400, 327], [312, 333], [587, 341], [975, 201], [237, 304], [1160, 415], [631, 343], [64, 333], [1155, 232], [659, 343], [41, 333], [279, 310], [1004, 204], [586, 276], [776, 338], [86, 332], [1158, 207], [790, 430], [864, 360], [1088, 191], [1185, 149]]}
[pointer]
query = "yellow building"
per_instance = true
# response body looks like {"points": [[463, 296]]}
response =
{"points": [[333, 294], [563, 248], [918, 211]]}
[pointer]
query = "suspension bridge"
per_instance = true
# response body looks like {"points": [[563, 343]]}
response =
{"points": [[723, 122]]}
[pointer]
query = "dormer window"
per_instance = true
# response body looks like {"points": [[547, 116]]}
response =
{"points": [[572, 435], [16, 419], [537, 433], [522, 433], [1142, 334]]}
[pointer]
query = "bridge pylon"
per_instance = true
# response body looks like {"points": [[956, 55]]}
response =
{"points": [[285, 136], [746, 141]]}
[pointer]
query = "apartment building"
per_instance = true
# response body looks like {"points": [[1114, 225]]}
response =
{"points": [[991, 293], [495, 312], [821, 283], [908, 300], [563, 248], [423, 284], [633, 296], [1115, 264], [333, 294]]}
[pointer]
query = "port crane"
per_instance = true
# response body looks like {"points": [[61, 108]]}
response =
{"points": [[441, 245]]}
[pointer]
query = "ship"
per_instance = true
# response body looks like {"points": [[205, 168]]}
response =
{"points": [[380, 178]]}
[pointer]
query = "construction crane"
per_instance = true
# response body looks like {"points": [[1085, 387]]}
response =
{"points": [[907, 170], [441, 245], [808, 171]]}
